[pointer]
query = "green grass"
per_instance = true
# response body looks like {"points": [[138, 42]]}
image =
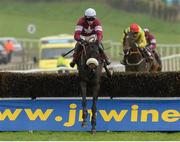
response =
{"points": [[55, 18], [86, 136]]}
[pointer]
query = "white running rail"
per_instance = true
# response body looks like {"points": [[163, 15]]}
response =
{"points": [[170, 54], [65, 70], [171, 63], [62, 69]]}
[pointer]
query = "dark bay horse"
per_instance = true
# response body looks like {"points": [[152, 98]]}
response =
{"points": [[135, 61], [90, 69]]}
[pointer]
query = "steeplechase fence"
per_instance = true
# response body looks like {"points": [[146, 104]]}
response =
{"points": [[127, 102]]}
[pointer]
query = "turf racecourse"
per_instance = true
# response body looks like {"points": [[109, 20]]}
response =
{"points": [[52, 18], [86, 136]]}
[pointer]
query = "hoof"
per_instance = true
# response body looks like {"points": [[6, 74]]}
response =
{"points": [[93, 131], [84, 124]]}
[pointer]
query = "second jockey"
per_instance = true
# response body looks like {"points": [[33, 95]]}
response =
{"points": [[151, 44], [137, 35], [87, 26]]}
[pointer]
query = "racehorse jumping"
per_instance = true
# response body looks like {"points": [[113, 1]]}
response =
{"points": [[90, 68], [135, 61]]}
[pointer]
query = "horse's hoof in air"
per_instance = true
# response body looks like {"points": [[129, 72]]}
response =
{"points": [[93, 131], [84, 124]]}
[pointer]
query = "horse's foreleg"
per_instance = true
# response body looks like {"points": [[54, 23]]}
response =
{"points": [[94, 114], [94, 110], [84, 103], [154, 68]]}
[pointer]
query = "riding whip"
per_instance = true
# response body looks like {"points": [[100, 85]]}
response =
{"points": [[68, 52]]}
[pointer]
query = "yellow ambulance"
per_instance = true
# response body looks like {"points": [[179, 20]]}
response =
{"points": [[52, 48]]}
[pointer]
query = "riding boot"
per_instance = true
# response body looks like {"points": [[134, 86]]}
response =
{"points": [[103, 55], [76, 55], [74, 60], [105, 58], [157, 57], [123, 61]]}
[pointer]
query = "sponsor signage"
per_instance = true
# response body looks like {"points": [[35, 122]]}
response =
{"points": [[112, 115]]}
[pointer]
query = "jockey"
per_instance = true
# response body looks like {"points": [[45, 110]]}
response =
{"points": [[151, 43], [87, 26], [136, 34]]}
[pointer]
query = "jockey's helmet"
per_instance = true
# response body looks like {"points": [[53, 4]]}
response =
{"points": [[90, 14], [146, 30], [134, 28]]}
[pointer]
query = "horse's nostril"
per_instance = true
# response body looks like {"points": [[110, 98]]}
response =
{"points": [[92, 66]]}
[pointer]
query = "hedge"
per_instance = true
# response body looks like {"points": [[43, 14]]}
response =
{"points": [[165, 84]]}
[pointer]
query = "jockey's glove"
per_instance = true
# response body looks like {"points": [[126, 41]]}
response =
{"points": [[83, 42], [149, 47], [97, 42]]}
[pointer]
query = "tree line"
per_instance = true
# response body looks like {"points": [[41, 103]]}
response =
{"points": [[156, 8]]}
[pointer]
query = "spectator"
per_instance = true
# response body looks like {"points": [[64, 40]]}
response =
{"points": [[9, 47], [62, 62]]}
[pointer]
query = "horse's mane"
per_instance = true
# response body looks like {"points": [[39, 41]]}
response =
{"points": [[128, 41], [89, 50]]}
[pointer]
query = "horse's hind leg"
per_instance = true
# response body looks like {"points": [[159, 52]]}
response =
{"points": [[84, 103]]}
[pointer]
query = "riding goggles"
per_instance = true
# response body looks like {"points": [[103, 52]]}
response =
{"points": [[134, 33], [90, 18]]}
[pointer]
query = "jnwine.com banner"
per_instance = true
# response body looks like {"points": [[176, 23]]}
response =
{"points": [[112, 115]]}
